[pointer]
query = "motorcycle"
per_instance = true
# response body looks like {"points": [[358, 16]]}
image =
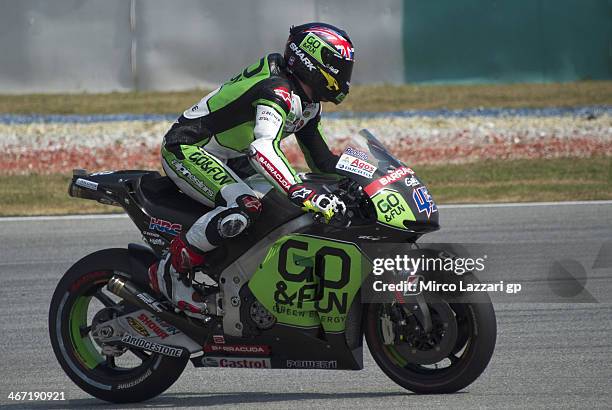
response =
{"points": [[285, 294]]}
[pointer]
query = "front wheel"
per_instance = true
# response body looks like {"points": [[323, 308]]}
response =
{"points": [[446, 359], [79, 300]]}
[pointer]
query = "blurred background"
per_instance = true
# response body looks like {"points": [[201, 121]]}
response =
{"points": [[489, 98], [128, 45]]}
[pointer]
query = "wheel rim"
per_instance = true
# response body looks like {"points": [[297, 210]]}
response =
{"points": [[82, 344], [457, 356], [78, 312]]}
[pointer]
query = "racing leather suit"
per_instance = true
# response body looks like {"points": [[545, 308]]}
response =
{"points": [[245, 118]]}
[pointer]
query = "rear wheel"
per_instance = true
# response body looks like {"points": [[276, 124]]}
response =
{"points": [[446, 359], [108, 373]]}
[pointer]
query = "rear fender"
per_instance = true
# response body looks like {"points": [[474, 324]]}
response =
{"points": [[134, 261], [107, 187], [141, 257]]}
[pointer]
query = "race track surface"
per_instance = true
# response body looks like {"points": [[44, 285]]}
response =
{"points": [[547, 355]]}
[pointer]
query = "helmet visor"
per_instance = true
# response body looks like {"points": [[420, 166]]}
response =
{"points": [[337, 74]]}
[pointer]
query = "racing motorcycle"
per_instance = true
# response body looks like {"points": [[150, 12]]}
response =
{"points": [[285, 294]]}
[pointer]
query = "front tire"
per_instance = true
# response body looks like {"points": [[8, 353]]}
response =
{"points": [[474, 336], [141, 375]]}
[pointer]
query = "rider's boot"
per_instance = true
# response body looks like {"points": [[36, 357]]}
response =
{"points": [[170, 277]]}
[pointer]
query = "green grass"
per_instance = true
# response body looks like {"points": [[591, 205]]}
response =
{"points": [[43, 195], [370, 98], [566, 179], [499, 181]]}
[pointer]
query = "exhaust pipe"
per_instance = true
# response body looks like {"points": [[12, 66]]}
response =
{"points": [[126, 290], [137, 297]]}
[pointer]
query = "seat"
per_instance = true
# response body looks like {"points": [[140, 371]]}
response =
{"points": [[162, 199]]}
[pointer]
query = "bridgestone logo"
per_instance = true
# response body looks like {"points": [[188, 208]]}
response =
{"points": [[153, 347], [356, 153], [136, 381]]}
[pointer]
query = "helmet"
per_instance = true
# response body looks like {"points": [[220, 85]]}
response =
{"points": [[321, 56]]}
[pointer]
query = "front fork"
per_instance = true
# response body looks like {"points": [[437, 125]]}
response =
{"points": [[394, 317]]}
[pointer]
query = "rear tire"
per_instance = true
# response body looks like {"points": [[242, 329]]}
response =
{"points": [[474, 346], [77, 352]]}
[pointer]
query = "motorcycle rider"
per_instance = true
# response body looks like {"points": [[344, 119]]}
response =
{"points": [[247, 117]]}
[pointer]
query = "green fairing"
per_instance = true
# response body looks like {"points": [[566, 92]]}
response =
{"points": [[83, 346], [289, 282], [392, 209]]}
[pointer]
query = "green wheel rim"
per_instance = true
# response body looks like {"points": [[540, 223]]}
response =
{"points": [[83, 346]]}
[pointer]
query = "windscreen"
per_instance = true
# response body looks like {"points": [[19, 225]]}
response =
{"points": [[364, 157]]}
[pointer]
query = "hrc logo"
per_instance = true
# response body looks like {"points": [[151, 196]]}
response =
{"points": [[165, 226]]}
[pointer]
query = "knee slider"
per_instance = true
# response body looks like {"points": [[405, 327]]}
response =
{"points": [[227, 224], [232, 224]]}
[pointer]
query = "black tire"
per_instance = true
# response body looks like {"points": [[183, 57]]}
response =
{"points": [[476, 342], [103, 380]]}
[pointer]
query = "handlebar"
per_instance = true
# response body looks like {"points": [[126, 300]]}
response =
{"points": [[353, 196]]}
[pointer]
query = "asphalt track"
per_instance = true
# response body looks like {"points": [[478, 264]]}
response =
{"points": [[547, 355]]}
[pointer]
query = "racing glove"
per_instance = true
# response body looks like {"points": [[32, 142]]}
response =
{"points": [[327, 205]]}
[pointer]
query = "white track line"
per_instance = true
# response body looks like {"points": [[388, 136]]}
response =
{"points": [[61, 217], [450, 206], [526, 204]]}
